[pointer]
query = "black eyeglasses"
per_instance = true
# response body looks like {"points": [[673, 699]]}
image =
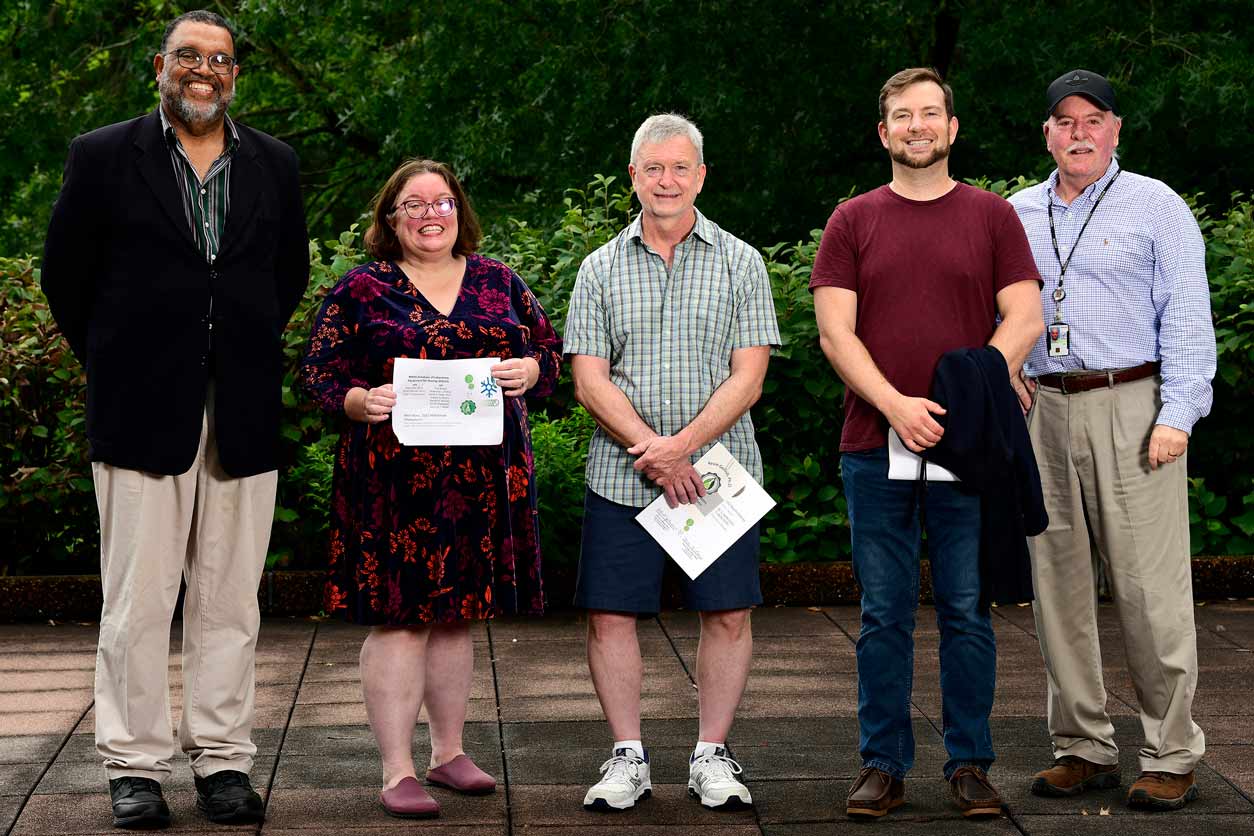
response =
{"points": [[189, 58], [417, 209]]}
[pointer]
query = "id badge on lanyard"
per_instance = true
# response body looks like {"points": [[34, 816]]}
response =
{"points": [[1058, 333]]}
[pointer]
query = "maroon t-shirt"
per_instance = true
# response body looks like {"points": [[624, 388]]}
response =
{"points": [[927, 274]]}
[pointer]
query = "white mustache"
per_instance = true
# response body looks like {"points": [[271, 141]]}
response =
{"points": [[1083, 145]]}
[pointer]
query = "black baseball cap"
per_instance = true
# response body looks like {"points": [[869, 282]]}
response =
{"points": [[1083, 83]]}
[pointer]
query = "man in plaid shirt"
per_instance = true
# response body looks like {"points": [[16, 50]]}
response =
{"points": [[669, 334]]}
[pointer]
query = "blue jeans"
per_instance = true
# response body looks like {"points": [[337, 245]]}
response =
{"points": [[884, 518]]}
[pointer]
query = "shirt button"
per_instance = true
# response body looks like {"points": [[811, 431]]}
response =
{"points": [[668, 403], [666, 365], [202, 191], [206, 224]]}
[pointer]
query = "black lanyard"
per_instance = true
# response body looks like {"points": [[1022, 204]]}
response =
{"points": [[1059, 293]]}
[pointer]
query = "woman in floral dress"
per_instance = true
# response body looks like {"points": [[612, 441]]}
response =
{"points": [[425, 540]]}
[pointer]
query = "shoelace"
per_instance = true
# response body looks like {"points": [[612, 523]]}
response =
{"points": [[720, 766], [621, 768]]}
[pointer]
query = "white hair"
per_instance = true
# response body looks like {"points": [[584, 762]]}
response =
{"points": [[661, 127]]}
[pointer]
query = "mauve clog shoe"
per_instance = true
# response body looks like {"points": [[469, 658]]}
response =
{"points": [[461, 774], [408, 800]]}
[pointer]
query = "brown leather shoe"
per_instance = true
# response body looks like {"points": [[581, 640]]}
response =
{"points": [[1162, 791], [874, 794], [1072, 775], [973, 793]]}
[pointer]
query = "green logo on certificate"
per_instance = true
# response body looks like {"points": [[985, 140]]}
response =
{"points": [[712, 482], [468, 407], [470, 384]]}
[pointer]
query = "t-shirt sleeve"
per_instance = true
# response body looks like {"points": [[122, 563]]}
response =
{"points": [[836, 264], [1014, 261], [755, 306], [587, 326]]}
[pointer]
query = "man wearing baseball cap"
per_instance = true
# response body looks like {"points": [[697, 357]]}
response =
{"points": [[1112, 391]]}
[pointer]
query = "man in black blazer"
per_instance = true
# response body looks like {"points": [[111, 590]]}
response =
{"points": [[176, 253]]}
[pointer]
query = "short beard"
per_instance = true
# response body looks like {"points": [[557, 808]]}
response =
{"points": [[938, 153], [192, 114]]}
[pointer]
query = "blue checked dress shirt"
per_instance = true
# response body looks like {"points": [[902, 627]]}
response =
{"points": [[669, 335], [1136, 286]]}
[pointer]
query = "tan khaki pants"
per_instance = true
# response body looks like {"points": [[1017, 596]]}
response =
{"points": [[213, 530], [1106, 504]]}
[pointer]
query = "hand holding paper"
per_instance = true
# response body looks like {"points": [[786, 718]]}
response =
{"points": [[447, 402], [697, 534]]}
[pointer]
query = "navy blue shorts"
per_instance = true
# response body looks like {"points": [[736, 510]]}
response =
{"points": [[620, 566]]}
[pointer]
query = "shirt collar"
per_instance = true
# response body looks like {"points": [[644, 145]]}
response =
{"points": [[171, 138], [703, 229], [1095, 188]]}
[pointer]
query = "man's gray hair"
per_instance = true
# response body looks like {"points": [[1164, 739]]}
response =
{"points": [[661, 127]]}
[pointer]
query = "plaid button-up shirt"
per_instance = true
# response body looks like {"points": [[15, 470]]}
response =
{"points": [[669, 335], [205, 202], [1136, 286]]}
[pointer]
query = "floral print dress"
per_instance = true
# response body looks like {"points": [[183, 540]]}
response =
{"points": [[423, 535]]}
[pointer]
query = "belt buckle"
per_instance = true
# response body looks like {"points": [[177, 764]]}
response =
{"points": [[1063, 377]]}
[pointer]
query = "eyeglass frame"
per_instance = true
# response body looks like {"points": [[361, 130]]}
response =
{"points": [[427, 208], [202, 59]]}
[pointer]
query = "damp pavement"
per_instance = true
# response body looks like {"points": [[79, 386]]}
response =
{"points": [[534, 723]]}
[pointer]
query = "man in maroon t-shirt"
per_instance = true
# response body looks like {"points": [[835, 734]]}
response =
{"points": [[905, 273]]}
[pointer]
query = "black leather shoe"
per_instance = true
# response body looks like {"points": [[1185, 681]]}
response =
{"points": [[226, 797], [137, 803]]}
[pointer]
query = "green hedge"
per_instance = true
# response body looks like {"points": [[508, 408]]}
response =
{"points": [[47, 510]]}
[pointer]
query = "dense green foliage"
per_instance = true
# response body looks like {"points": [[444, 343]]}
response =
{"points": [[47, 511], [520, 94]]}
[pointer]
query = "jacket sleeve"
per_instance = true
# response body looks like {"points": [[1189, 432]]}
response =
{"points": [[292, 260], [71, 252]]}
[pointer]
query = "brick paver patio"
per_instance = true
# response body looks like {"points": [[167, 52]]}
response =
{"points": [[535, 723]]}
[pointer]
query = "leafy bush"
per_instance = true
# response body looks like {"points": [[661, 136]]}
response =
{"points": [[47, 507], [47, 510], [561, 449]]}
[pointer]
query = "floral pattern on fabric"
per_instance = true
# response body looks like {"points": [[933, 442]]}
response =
{"points": [[423, 535]]}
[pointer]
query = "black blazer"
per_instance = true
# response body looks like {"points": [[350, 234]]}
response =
{"points": [[986, 445], [137, 301]]}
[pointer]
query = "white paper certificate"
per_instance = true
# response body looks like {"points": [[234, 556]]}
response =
{"points": [[904, 465], [441, 402], [696, 535]]}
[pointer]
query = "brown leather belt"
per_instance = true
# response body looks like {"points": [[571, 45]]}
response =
{"points": [[1069, 383]]}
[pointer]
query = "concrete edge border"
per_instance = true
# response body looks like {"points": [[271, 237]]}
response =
{"points": [[299, 593]]}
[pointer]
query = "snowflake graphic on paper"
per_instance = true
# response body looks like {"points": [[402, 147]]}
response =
{"points": [[488, 386]]}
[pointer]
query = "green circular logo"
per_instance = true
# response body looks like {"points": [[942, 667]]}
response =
{"points": [[468, 407]]}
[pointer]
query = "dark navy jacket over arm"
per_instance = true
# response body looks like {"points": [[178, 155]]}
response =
{"points": [[986, 445]]}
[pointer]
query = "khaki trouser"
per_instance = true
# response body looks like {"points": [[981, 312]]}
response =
{"points": [[1105, 502], [213, 530]]}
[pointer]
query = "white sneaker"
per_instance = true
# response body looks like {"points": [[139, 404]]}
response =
{"points": [[624, 781], [712, 778]]}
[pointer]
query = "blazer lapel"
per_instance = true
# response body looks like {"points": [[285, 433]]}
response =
{"points": [[153, 161], [246, 177]]}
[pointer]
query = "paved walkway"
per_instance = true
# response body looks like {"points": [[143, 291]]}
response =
{"points": [[535, 723]]}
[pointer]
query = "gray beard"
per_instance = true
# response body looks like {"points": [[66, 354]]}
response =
{"points": [[192, 114], [936, 156]]}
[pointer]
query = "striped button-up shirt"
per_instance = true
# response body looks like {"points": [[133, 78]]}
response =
{"points": [[205, 202], [669, 335], [1136, 288]]}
